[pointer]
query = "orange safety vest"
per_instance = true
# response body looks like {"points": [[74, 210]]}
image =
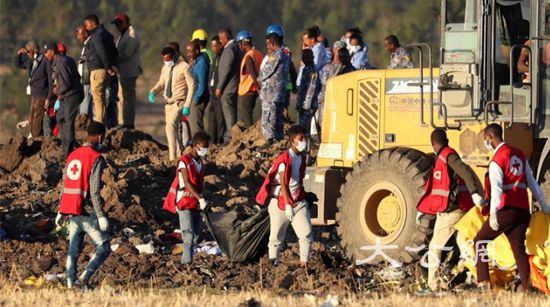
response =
{"points": [[246, 84], [77, 179], [187, 201], [512, 162], [269, 183], [438, 188]]}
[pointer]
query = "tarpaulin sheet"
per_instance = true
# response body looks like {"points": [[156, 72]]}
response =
{"points": [[537, 245]]}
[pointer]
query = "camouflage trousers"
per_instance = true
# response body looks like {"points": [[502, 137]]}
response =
{"points": [[272, 120], [305, 119]]}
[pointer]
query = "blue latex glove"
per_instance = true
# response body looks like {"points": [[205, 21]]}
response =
{"points": [[57, 105], [185, 111], [151, 97]]}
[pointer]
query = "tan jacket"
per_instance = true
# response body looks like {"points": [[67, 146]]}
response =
{"points": [[129, 54], [183, 84]]}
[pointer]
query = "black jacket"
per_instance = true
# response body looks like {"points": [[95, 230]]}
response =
{"points": [[66, 76], [229, 69], [101, 51], [40, 79], [213, 80]]}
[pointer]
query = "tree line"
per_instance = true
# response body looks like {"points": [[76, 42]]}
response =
{"points": [[174, 20]]}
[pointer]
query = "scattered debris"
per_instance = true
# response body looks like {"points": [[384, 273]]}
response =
{"points": [[209, 248], [145, 237], [146, 248]]}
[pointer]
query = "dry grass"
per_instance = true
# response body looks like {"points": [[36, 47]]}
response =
{"points": [[13, 295]]}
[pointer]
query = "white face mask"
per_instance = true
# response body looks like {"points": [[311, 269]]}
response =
{"points": [[301, 146], [169, 63], [354, 49], [202, 152], [488, 145]]}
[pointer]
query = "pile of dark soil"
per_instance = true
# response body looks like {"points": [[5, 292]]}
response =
{"points": [[136, 181]]}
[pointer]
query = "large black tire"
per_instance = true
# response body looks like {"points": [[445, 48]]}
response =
{"points": [[378, 202]]}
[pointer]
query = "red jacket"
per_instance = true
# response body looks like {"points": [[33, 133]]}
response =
{"points": [[77, 179], [188, 201], [438, 188], [270, 182], [512, 161]]}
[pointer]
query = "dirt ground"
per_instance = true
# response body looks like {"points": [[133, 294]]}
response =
{"points": [[136, 181]]}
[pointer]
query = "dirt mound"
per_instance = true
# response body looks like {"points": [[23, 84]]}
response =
{"points": [[137, 178]]}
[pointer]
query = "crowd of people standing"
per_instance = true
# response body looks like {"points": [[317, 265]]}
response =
{"points": [[223, 81], [219, 80]]}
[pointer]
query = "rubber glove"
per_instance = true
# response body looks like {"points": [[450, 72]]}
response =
{"points": [[493, 222], [151, 97], [203, 204], [103, 223], [58, 220], [57, 105], [289, 212], [23, 124], [185, 111], [478, 200], [419, 216]]}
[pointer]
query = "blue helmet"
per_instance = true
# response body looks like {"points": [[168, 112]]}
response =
{"points": [[277, 29], [244, 35]]}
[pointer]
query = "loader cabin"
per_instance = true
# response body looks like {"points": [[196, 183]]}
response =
{"points": [[373, 159]]}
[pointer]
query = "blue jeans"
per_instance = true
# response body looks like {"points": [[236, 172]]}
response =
{"points": [[86, 106], [191, 225], [79, 226]]}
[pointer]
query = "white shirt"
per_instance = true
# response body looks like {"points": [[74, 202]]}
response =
{"points": [[496, 177], [181, 166], [295, 177], [80, 65]]}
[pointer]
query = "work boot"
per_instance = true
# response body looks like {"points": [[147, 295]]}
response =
{"points": [[79, 285]]}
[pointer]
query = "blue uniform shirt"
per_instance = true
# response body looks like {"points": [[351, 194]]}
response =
{"points": [[274, 77], [200, 70]]}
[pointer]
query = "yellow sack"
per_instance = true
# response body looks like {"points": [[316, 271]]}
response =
{"points": [[537, 244], [499, 251]]}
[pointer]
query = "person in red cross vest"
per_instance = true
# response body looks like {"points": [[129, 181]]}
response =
{"points": [[509, 212], [82, 205], [452, 189], [185, 195], [283, 193]]}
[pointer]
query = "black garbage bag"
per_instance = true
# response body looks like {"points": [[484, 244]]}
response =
{"points": [[243, 239]]}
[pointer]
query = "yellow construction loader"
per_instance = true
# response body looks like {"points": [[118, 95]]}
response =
{"points": [[374, 156]]}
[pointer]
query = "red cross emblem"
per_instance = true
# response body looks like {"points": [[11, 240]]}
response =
{"points": [[74, 169], [516, 166]]}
